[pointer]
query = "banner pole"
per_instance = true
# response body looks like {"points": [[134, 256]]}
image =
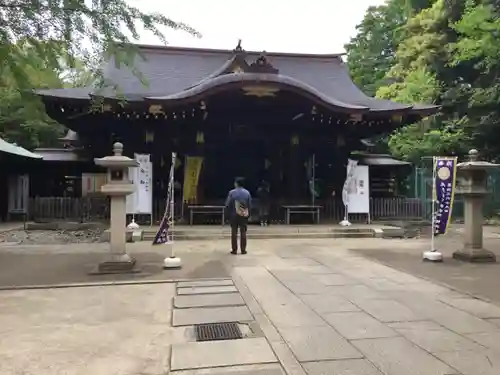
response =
{"points": [[172, 205], [433, 209], [171, 262]]}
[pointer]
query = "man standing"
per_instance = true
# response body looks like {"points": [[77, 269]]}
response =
{"points": [[238, 205]]}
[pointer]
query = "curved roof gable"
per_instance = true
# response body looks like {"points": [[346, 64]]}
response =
{"points": [[173, 72]]}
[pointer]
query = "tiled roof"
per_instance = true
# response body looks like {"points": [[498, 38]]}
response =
{"points": [[171, 71], [13, 149]]}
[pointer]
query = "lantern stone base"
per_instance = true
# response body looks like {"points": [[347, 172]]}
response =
{"points": [[117, 264], [471, 255]]}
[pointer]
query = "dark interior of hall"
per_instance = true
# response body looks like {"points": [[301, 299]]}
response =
{"points": [[258, 138]]}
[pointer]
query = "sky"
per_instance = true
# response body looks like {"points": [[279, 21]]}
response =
{"points": [[312, 26]]}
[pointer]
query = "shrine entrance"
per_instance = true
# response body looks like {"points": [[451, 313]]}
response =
{"points": [[226, 161]]}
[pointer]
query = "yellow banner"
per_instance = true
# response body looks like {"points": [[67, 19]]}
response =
{"points": [[191, 177]]}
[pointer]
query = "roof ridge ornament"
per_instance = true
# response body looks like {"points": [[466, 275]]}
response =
{"points": [[238, 47], [262, 65]]}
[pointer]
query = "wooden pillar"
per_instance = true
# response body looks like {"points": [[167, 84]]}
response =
{"points": [[294, 166], [274, 175]]}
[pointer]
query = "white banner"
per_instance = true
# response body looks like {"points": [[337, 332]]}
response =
{"points": [[359, 191], [351, 166], [131, 198], [141, 201]]}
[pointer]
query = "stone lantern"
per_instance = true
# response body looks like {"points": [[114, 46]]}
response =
{"points": [[472, 185], [117, 187]]}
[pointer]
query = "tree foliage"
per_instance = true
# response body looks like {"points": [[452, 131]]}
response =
{"points": [[445, 52], [22, 115], [64, 31], [371, 52], [477, 49], [61, 43]]}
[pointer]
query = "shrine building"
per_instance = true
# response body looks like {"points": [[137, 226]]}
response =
{"points": [[258, 115]]}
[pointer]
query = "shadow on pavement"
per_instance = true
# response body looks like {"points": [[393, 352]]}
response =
{"points": [[480, 280], [17, 269]]}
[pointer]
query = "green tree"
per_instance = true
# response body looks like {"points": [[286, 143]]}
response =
{"points": [[476, 52], [421, 73], [447, 53], [371, 53], [413, 142], [59, 30], [61, 43], [22, 115], [418, 55]]}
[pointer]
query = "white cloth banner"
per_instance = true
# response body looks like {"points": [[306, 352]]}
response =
{"points": [[351, 166], [141, 201], [131, 198], [359, 191]]}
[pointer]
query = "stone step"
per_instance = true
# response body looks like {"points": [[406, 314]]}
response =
{"points": [[148, 235], [272, 229]]}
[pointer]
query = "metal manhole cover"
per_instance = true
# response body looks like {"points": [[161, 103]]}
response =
{"points": [[217, 331]]}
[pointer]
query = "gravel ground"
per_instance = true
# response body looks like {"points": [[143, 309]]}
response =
{"points": [[47, 237]]}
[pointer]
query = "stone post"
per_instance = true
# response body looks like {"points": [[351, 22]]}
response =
{"points": [[117, 187], [472, 185], [118, 219]]}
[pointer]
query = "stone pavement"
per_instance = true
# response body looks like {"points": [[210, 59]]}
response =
{"points": [[476, 279], [96, 330], [340, 314], [310, 307]]}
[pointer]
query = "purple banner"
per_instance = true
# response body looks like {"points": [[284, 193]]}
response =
{"points": [[445, 172]]}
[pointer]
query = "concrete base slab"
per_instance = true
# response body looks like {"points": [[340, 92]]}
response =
{"points": [[116, 267], [341, 367], [196, 355], [187, 317], [328, 303], [358, 325], [475, 307], [236, 370], [206, 290], [495, 321], [387, 311], [334, 279], [472, 362], [318, 344], [208, 300], [393, 233], [189, 284], [433, 338], [475, 255], [388, 354], [490, 340]]}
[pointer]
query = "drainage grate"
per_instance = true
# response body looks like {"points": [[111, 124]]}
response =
{"points": [[217, 331]]}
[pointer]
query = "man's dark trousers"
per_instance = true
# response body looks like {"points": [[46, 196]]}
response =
{"points": [[241, 223]]}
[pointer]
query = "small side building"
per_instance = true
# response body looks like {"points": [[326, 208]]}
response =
{"points": [[386, 174], [63, 166], [16, 164]]}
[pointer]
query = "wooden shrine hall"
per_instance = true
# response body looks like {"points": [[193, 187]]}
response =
{"points": [[261, 116]]}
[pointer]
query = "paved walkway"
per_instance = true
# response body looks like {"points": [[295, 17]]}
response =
{"points": [[305, 307], [476, 279]]}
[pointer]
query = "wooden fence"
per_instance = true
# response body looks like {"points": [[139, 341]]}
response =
{"points": [[85, 209]]}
